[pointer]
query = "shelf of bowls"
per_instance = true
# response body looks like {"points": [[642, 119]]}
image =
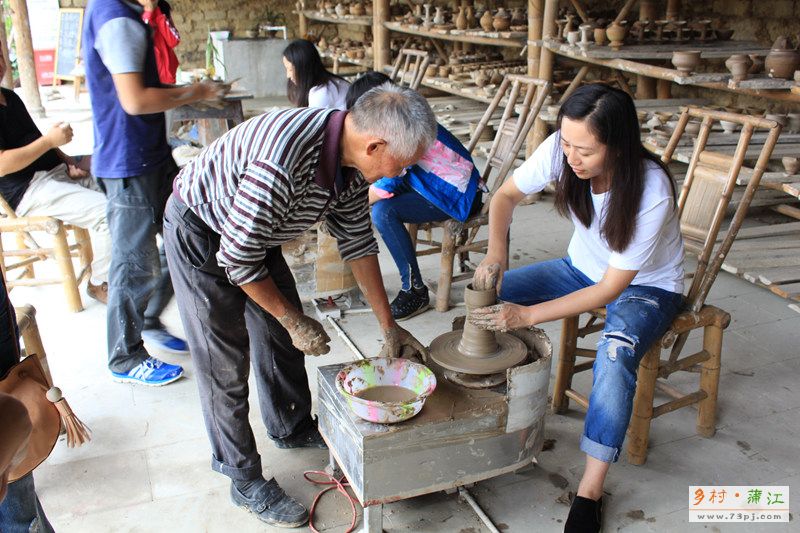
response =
{"points": [[350, 40]]}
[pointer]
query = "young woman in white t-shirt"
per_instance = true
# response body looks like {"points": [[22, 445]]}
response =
{"points": [[626, 254], [308, 84]]}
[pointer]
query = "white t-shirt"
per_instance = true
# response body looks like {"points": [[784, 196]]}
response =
{"points": [[656, 249], [330, 96]]}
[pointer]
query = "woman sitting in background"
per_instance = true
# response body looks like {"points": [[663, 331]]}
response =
{"points": [[308, 83], [443, 184]]}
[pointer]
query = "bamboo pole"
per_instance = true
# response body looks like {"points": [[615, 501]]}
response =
{"points": [[535, 13], [709, 382], [8, 78], [27, 70], [639, 428], [624, 11], [382, 49], [546, 59], [566, 363]]}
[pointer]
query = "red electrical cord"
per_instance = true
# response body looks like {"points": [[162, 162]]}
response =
{"points": [[340, 485]]}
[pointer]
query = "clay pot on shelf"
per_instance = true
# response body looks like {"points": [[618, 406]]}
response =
{"points": [[791, 165], [518, 17], [648, 10], [782, 59], [427, 20], [438, 18], [486, 21], [739, 65], [728, 127], [481, 79], [472, 22], [757, 64], [502, 20], [430, 72], [444, 71], [497, 77], [723, 34], [780, 118], [686, 61], [330, 9], [357, 10], [616, 34], [572, 37], [600, 36], [368, 9], [341, 10], [460, 20]]}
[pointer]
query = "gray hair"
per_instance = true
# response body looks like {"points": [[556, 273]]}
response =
{"points": [[398, 115]]}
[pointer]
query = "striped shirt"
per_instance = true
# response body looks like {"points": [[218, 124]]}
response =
{"points": [[270, 179]]}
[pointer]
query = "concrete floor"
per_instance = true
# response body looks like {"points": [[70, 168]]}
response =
{"points": [[147, 468]]}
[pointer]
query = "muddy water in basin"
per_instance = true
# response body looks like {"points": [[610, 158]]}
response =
{"points": [[387, 393]]}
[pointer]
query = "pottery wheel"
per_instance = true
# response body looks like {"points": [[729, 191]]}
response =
{"points": [[444, 350]]}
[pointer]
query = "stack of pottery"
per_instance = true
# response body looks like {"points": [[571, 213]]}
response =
{"points": [[782, 59], [686, 61], [739, 65]]}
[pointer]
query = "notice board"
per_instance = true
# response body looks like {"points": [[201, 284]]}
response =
{"points": [[68, 45]]}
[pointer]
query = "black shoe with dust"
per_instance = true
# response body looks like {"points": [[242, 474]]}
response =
{"points": [[268, 502], [585, 516], [410, 303]]}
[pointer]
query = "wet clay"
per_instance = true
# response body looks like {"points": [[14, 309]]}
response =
{"points": [[477, 342], [387, 393]]}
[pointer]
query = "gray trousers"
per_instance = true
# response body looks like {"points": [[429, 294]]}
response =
{"points": [[227, 332], [139, 286]]}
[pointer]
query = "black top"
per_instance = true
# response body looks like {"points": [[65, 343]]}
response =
{"points": [[17, 129]]}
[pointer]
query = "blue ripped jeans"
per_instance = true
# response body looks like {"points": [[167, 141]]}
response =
{"points": [[636, 319]]}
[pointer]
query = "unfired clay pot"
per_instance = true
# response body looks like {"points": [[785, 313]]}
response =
{"points": [[357, 10], [477, 342], [791, 165], [502, 20], [486, 21], [438, 18], [739, 64], [686, 61], [341, 10], [600, 36], [782, 59], [461, 19], [616, 34]]}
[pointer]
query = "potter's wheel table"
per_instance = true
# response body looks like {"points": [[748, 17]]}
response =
{"points": [[460, 437]]}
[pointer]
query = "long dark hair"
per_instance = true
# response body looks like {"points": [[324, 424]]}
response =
{"points": [[308, 69], [165, 8], [365, 82], [610, 116]]}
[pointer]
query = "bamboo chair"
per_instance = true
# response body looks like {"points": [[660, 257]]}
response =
{"points": [[409, 67], [29, 252], [31, 340], [702, 204], [458, 238]]}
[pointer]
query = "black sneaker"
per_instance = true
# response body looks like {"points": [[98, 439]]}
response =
{"points": [[410, 303], [306, 437], [585, 516], [270, 504]]}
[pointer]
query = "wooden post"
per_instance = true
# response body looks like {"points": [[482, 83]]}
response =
{"points": [[8, 78], [27, 70], [645, 87], [566, 363], [61, 249], [639, 428], [303, 23], [546, 59], [709, 381], [663, 89], [382, 50], [535, 12], [446, 269], [673, 9]]}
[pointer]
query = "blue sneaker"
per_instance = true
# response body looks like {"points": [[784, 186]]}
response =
{"points": [[152, 372], [163, 340]]}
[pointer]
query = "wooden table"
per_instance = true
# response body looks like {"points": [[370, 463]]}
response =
{"points": [[212, 122]]}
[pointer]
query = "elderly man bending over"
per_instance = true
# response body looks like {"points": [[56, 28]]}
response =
{"points": [[262, 184]]}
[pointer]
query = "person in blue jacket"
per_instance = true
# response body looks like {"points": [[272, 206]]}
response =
{"points": [[443, 184]]}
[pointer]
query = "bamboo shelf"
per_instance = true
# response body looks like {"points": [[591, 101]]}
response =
{"points": [[336, 19], [511, 39]]}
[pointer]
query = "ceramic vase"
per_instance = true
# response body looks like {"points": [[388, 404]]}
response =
{"points": [[486, 21], [501, 21], [438, 18], [461, 19], [738, 64], [616, 35], [426, 21], [600, 36], [782, 60], [791, 165], [341, 10], [686, 61]]}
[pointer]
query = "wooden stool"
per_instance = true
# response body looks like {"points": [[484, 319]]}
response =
{"points": [[31, 340]]}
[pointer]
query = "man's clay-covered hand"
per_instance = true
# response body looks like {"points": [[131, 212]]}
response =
{"points": [[486, 277], [307, 334], [400, 343]]}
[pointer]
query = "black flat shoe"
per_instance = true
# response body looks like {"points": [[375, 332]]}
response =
{"points": [[585, 516], [270, 504], [410, 303]]}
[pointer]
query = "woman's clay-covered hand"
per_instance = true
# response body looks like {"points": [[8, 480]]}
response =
{"points": [[307, 334], [501, 317], [487, 276], [400, 343]]}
